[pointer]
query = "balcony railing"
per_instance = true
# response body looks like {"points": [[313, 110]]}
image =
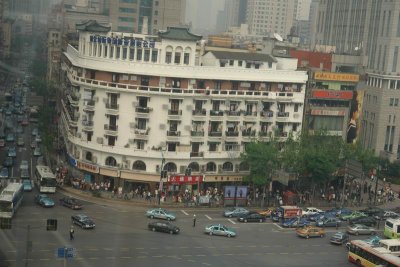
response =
{"points": [[215, 134], [233, 113], [231, 134], [267, 113], [202, 112], [143, 109], [142, 131], [113, 106], [111, 127], [216, 113], [87, 123], [175, 112], [90, 103], [249, 133], [197, 133], [173, 133], [250, 113], [282, 114], [196, 154]]}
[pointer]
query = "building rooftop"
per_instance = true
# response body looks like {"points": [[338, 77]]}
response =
{"points": [[179, 33], [243, 56], [92, 26]]}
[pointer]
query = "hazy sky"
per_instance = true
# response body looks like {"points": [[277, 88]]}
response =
{"points": [[203, 13]]}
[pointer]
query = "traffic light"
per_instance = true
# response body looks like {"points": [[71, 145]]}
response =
{"points": [[51, 225], [5, 223], [188, 172], [164, 174]]}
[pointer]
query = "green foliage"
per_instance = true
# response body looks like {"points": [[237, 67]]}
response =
{"points": [[46, 118]]}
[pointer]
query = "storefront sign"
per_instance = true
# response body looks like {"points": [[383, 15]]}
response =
{"points": [[326, 112], [87, 167], [332, 76], [125, 42], [332, 94], [211, 179], [291, 213], [182, 179], [71, 160]]}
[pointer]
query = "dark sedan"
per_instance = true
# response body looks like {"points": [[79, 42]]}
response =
{"points": [[329, 222], [339, 238], [251, 217], [83, 221], [71, 203], [165, 227], [371, 211], [369, 221]]}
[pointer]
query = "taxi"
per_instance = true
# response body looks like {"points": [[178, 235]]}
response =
{"points": [[265, 212], [310, 231]]}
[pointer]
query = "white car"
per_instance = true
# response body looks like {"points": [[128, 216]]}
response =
{"points": [[310, 211], [24, 165]]}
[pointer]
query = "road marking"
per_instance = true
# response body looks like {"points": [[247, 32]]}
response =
{"points": [[110, 258], [93, 249], [208, 217], [44, 259], [183, 247], [186, 255], [157, 256], [231, 221], [252, 246], [284, 253], [198, 247], [12, 251], [184, 212], [107, 249], [127, 257], [93, 258], [277, 225], [200, 255], [141, 257], [139, 248], [205, 263], [297, 253]]}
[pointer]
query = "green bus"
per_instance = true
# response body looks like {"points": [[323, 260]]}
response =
{"points": [[392, 228]]}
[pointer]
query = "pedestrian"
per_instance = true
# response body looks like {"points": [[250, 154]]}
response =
{"points": [[71, 233], [194, 220]]}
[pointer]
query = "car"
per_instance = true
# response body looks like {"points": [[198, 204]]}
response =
{"points": [[44, 200], [24, 165], [339, 238], [353, 215], [316, 217], [219, 229], [20, 141], [368, 221], [386, 214], [235, 212], [8, 112], [359, 229], [343, 211], [4, 172], [35, 131], [8, 162], [33, 144], [27, 184], [38, 138], [84, 221], [329, 222], [371, 211], [25, 174], [295, 222], [161, 214], [20, 130], [310, 231], [37, 152], [265, 212], [310, 211], [10, 137], [373, 240], [71, 203], [252, 217], [165, 227], [25, 122], [20, 118], [2, 142], [12, 152]]}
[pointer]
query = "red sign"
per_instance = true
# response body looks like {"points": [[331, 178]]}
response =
{"points": [[182, 179], [291, 213], [332, 94], [327, 112]]}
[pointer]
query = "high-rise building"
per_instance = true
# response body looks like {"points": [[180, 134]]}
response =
{"points": [[235, 12], [147, 16], [266, 17]]}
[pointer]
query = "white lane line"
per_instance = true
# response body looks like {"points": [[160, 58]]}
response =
{"points": [[231, 221], [184, 212], [277, 225], [208, 217]]}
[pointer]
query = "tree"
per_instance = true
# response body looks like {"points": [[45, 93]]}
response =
{"points": [[262, 159]]}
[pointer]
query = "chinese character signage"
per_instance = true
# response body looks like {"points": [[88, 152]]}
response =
{"points": [[332, 94], [124, 42], [87, 167], [325, 112], [182, 179], [333, 76]]}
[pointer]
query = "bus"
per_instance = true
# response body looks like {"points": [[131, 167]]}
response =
{"points": [[10, 199], [392, 228], [45, 179], [363, 254], [393, 245]]}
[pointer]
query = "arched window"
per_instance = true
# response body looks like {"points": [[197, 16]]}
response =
{"points": [[168, 54], [211, 167], [194, 166], [170, 167], [227, 167], [89, 156], [139, 165], [178, 55], [110, 161], [244, 166], [186, 56]]}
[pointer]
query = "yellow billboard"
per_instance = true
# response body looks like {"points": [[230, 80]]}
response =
{"points": [[334, 76]]}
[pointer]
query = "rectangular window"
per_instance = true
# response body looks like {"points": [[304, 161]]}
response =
{"points": [[240, 63], [395, 58], [127, 10], [248, 65], [126, 19], [146, 55], [124, 53], [177, 58], [396, 102], [218, 85], [106, 51], [391, 102], [231, 62], [128, 1], [186, 58], [296, 107], [154, 56], [398, 26], [112, 52], [168, 57], [139, 54], [140, 144], [392, 84], [131, 53], [118, 52]]}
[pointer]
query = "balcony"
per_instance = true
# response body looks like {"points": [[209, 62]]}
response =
{"points": [[142, 131], [250, 114], [233, 113], [202, 112], [249, 133], [173, 133], [196, 154], [282, 114], [216, 113], [267, 114], [175, 112], [215, 134], [112, 108], [73, 100], [87, 125], [111, 129], [197, 133], [143, 109], [231, 134], [89, 106], [264, 134]]}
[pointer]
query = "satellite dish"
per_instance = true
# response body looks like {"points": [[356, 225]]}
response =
{"points": [[278, 37]]}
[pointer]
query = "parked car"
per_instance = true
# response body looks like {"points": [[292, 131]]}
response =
{"points": [[310, 211], [10, 137], [44, 200], [20, 141], [12, 152], [71, 203], [353, 215], [339, 238], [33, 144], [310, 231], [27, 184], [20, 130], [8, 162], [265, 212], [369, 221], [38, 138], [296, 222], [219, 229], [35, 131], [4, 172], [161, 214], [371, 211], [165, 227], [343, 211], [329, 222], [235, 212], [386, 214], [373, 240], [84, 221], [24, 165], [25, 122], [37, 152], [316, 217], [359, 229], [252, 217]]}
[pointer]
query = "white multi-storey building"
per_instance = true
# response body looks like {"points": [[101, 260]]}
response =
{"points": [[132, 100]]}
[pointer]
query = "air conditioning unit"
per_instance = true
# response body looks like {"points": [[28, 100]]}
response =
{"points": [[96, 99], [105, 100], [162, 144], [187, 127], [131, 141]]}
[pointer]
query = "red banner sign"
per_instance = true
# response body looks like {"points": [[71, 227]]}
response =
{"points": [[182, 179], [332, 94], [327, 112], [291, 213]]}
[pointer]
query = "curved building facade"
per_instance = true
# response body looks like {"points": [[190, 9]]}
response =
{"points": [[134, 105]]}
